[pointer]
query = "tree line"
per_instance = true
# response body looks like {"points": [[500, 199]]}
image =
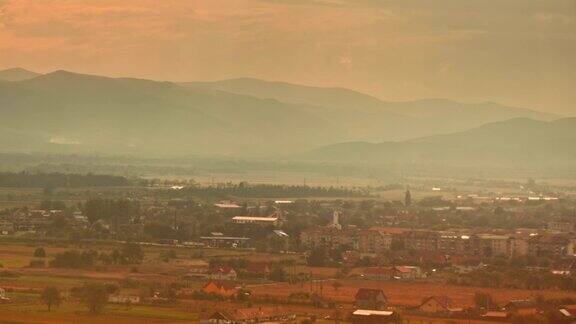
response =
{"points": [[244, 189], [46, 180]]}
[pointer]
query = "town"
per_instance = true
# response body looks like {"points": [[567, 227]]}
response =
{"points": [[287, 161], [337, 255]]}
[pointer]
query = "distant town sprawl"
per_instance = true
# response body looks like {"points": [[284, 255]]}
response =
{"points": [[302, 252]]}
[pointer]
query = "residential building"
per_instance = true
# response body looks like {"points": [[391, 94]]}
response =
{"points": [[521, 307], [367, 316], [222, 273], [378, 273], [6, 227], [438, 305], [278, 240], [493, 244], [261, 314], [220, 241], [124, 299], [368, 298], [519, 245], [408, 272], [374, 241], [331, 238], [420, 240], [220, 288], [560, 226], [548, 244], [252, 220]]}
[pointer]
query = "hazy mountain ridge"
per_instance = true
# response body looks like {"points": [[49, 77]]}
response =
{"points": [[100, 113], [519, 141], [70, 112], [422, 117], [17, 74]]}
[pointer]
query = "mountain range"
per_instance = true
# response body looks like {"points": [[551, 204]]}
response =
{"points": [[17, 74], [68, 112], [518, 142], [376, 117]]}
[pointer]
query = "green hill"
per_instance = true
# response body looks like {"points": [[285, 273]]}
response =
{"points": [[515, 142]]}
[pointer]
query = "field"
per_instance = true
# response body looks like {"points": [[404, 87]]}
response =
{"points": [[403, 294], [74, 313], [25, 287]]}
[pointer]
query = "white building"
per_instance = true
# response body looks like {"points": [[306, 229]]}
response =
{"points": [[255, 220]]}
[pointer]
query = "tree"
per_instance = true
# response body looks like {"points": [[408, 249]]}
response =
{"points": [[94, 296], [159, 231], [39, 253], [132, 254], [397, 245], [407, 198], [336, 285], [243, 294], [484, 301], [49, 189], [71, 259], [318, 257], [278, 274], [51, 297], [52, 204]]}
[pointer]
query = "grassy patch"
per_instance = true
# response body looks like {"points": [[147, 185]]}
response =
{"points": [[151, 312]]}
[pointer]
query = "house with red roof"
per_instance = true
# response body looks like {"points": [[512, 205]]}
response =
{"points": [[363, 316], [222, 273], [378, 273], [408, 272], [220, 288], [262, 314], [438, 305], [369, 298]]}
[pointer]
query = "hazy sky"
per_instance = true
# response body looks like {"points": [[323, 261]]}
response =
{"points": [[518, 52]]}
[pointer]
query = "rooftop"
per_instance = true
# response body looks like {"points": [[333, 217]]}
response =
{"points": [[224, 238], [368, 312], [252, 218], [369, 293]]}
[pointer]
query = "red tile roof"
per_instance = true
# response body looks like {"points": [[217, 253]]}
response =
{"points": [[226, 285], [444, 301], [369, 293]]}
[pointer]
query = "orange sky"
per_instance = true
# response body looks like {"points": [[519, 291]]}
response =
{"points": [[518, 52]]}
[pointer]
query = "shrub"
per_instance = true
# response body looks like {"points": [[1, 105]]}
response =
{"points": [[74, 259], [94, 296], [51, 297], [39, 253], [36, 263], [9, 274], [129, 283]]}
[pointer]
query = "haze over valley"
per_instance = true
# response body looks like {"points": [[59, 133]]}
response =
{"points": [[70, 113]]}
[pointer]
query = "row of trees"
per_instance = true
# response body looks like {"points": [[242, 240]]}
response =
{"points": [[505, 277], [129, 254], [116, 211], [93, 295], [244, 189], [47, 180]]}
